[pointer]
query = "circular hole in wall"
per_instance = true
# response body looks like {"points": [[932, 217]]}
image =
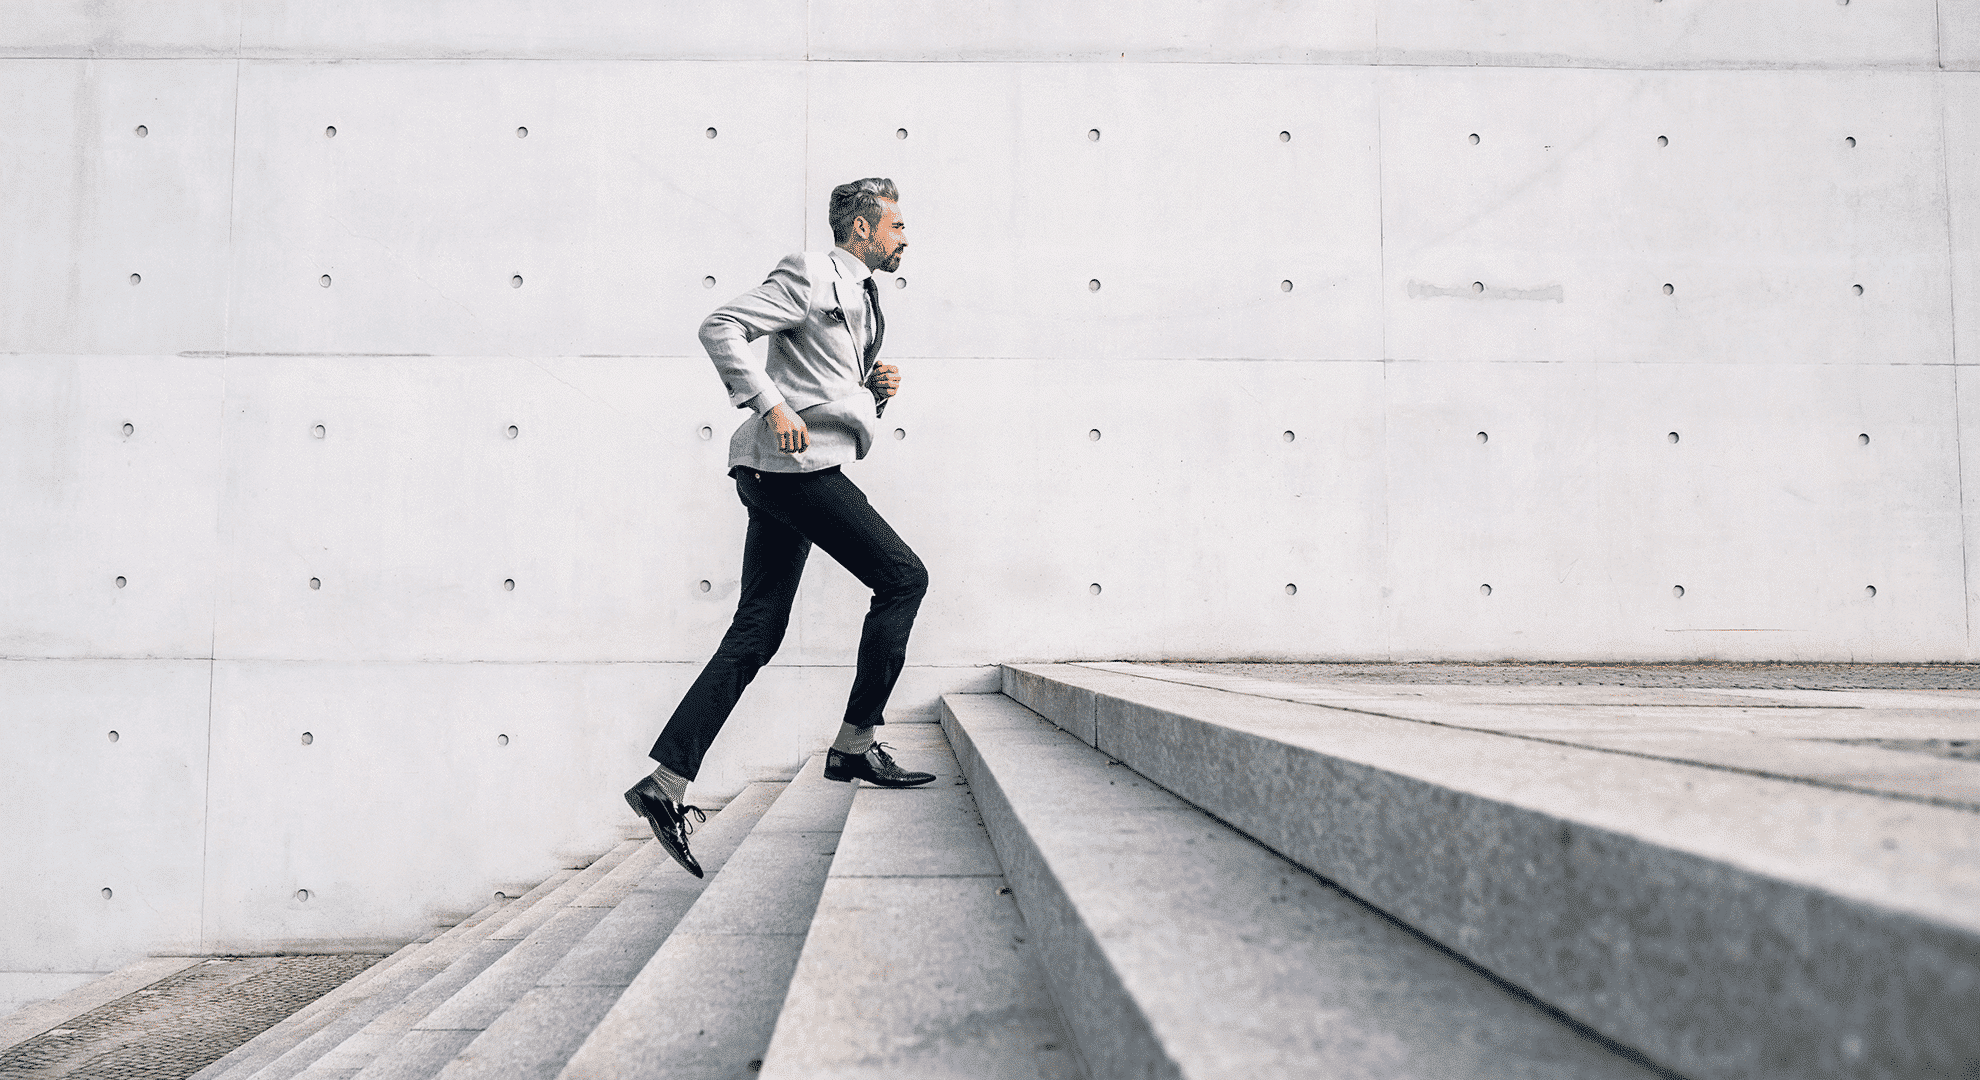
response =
{"points": [[136, 278], [1285, 286], [1869, 590], [308, 738], [1474, 138], [318, 431], [1285, 136], [900, 133], [324, 281], [1669, 288], [1857, 289], [900, 283], [1677, 591], [899, 434], [522, 133], [710, 133], [501, 740], [120, 581], [302, 896], [316, 583], [1477, 287], [1291, 589], [142, 131], [1663, 141], [1287, 436], [1671, 436], [1093, 135], [114, 736], [1484, 590], [1863, 439], [706, 433], [1093, 435], [509, 584], [106, 894], [1093, 589], [514, 431], [1484, 437], [130, 429], [708, 282], [1849, 140], [1093, 285], [704, 585], [330, 132], [515, 281]]}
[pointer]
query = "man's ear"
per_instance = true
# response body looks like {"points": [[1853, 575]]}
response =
{"points": [[862, 230]]}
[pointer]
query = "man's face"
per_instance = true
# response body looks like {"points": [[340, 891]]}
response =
{"points": [[887, 240]]}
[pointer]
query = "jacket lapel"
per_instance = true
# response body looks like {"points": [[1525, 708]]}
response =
{"points": [[855, 312]]}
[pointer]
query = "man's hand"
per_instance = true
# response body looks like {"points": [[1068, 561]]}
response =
{"points": [[792, 436], [885, 380]]}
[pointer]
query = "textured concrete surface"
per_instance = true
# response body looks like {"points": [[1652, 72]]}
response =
{"points": [[1178, 948], [1652, 899], [19, 1025], [705, 1004], [916, 962], [177, 1023]]}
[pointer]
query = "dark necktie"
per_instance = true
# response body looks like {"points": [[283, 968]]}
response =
{"points": [[879, 321]]}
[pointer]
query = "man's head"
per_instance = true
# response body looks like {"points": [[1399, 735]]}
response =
{"points": [[866, 221]]}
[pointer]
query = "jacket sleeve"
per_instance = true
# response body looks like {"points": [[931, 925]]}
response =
{"points": [[780, 303]]}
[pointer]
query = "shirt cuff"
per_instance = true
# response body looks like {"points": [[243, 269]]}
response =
{"points": [[762, 403]]}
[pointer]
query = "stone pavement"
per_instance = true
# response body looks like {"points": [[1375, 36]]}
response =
{"points": [[176, 1026]]}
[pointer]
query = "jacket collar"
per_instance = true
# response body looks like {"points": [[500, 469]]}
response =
{"points": [[849, 268]]}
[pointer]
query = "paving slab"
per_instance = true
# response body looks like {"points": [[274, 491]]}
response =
{"points": [[917, 963], [1726, 924], [1176, 947], [533, 1037], [705, 1004], [31, 1020]]}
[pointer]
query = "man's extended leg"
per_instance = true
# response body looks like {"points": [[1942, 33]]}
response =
{"points": [[773, 562]]}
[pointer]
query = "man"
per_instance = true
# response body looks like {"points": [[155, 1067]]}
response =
{"points": [[815, 402]]}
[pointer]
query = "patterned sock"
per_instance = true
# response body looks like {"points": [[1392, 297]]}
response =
{"points": [[853, 740], [672, 783]]}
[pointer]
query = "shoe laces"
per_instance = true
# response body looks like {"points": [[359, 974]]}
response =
{"points": [[881, 756], [699, 817]]}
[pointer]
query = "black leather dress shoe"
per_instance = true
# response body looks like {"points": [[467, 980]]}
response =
{"points": [[669, 820], [875, 766]]}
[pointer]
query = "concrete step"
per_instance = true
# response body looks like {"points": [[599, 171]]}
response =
{"points": [[1722, 919], [1176, 947], [445, 974], [705, 1004], [917, 962], [287, 1055], [530, 1036]]}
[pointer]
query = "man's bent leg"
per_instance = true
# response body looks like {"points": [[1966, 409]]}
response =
{"points": [[835, 515], [773, 562]]}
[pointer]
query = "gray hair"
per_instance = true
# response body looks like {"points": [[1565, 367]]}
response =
{"points": [[859, 199]]}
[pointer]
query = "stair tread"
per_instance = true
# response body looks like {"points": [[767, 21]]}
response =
{"points": [[1599, 881], [383, 1050], [1178, 946], [541, 1026], [916, 962], [705, 1004]]}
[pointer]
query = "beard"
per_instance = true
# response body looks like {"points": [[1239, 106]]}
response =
{"points": [[892, 263]]}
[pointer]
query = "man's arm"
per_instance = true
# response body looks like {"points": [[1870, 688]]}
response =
{"points": [[777, 304]]}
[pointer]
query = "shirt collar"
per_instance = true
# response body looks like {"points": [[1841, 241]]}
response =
{"points": [[850, 266]]}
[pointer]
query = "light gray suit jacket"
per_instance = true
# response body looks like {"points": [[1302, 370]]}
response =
{"points": [[814, 307]]}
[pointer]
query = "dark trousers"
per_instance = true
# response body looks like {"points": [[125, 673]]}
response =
{"points": [[789, 512]]}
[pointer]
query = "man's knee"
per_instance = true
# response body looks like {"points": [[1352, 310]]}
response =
{"points": [[910, 580]]}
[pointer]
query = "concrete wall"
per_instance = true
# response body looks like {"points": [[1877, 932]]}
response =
{"points": [[1336, 242]]}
